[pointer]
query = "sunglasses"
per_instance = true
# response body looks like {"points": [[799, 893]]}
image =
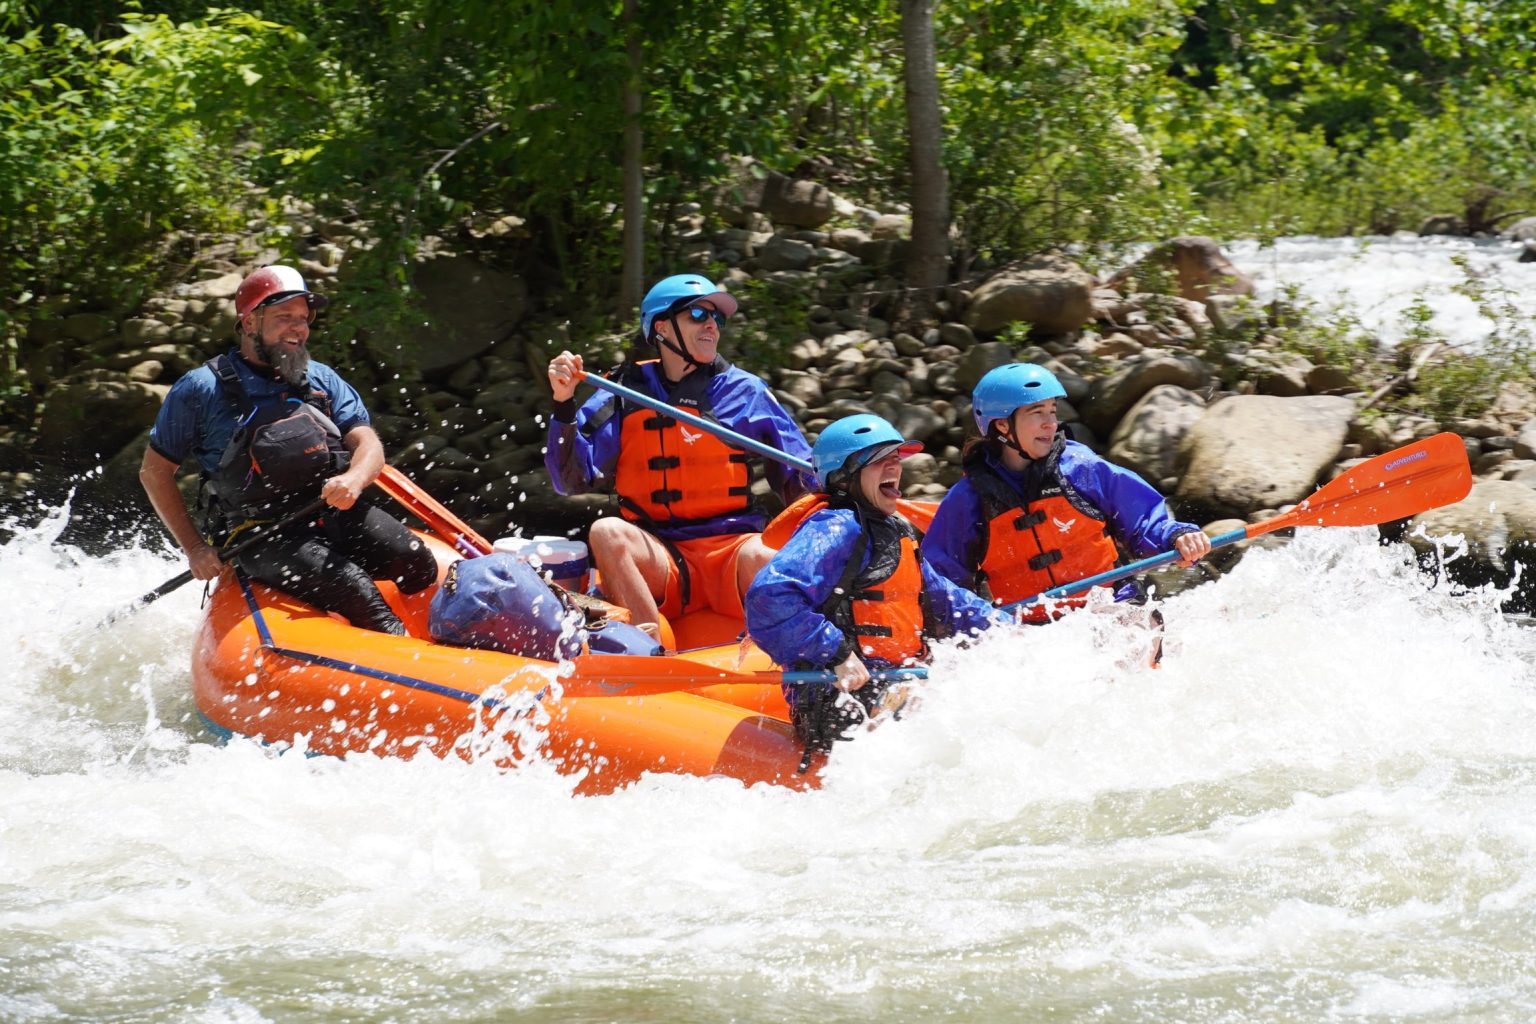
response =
{"points": [[698, 314]]}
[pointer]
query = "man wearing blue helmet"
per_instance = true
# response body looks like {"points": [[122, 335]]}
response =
{"points": [[1036, 510], [849, 590], [688, 533]]}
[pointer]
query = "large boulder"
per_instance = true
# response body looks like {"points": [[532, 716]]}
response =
{"points": [[1111, 397], [223, 286], [97, 414], [470, 307], [1051, 293], [1498, 522], [1148, 436], [1251, 453], [1194, 265], [754, 189], [1522, 230], [798, 203]]}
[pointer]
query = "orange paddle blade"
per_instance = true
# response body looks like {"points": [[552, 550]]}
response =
{"points": [[429, 510], [1395, 485]]}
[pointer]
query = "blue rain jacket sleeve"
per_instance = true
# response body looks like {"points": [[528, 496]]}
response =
{"points": [[581, 458], [953, 540], [1138, 514], [966, 613], [783, 604]]}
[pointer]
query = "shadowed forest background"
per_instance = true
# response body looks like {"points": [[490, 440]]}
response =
{"points": [[131, 133]]}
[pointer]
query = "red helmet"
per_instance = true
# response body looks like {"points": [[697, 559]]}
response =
{"points": [[274, 284]]}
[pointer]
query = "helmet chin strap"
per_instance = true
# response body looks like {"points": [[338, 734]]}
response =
{"points": [[846, 487], [1008, 440], [681, 347]]}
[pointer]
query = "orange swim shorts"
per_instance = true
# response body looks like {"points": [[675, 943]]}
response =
{"points": [[711, 563]]}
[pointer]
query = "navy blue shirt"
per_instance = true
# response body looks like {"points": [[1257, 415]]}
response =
{"points": [[198, 420]]}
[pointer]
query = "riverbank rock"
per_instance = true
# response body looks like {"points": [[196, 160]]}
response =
{"points": [[1498, 522], [1254, 452], [97, 414], [470, 307], [1148, 437], [1051, 293], [1190, 266], [1111, 397]]}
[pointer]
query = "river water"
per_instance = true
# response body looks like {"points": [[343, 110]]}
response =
{"points": [[1321, 808], [1377, 280]]}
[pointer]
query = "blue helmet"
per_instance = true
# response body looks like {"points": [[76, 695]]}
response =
{"points": [[1010, 387], [851, 442], [681, 288]]}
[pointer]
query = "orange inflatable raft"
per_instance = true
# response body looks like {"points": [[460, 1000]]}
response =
{"points": [[272, 668]]}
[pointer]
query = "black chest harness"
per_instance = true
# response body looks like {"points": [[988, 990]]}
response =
{"points": [[284, 447]]}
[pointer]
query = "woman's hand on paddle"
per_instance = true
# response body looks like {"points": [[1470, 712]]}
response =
{"points": [[564, 373], [204, 562], [851, 674], [1192, 545]]}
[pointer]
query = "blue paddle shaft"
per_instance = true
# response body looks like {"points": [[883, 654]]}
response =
{"points": [[723, 433], [1111, 576], [893, 675]]}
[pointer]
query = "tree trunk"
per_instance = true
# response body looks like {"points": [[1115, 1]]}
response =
{"points": [[632, 275], [928, 253]]}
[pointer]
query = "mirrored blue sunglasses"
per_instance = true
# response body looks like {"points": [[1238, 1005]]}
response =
{"points": [[698, 314]]}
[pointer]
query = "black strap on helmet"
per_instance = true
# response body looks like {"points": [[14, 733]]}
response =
{"points": [[680, 347]]}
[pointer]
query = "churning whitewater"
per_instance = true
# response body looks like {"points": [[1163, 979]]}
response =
{"points": [[1321, 807]]}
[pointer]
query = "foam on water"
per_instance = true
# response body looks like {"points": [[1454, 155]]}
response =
{"points": [[1377, 279], [1323, 806]]}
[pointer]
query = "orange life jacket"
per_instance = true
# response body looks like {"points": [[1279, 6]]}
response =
{"points": [[1034, 542], [884, 607], [671, 473]]}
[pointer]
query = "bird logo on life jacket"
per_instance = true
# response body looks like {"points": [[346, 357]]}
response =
{"points": [[1063, 525], [687, 437]]}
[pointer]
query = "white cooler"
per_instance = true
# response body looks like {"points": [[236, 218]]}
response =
{"points": [[563, 561]]}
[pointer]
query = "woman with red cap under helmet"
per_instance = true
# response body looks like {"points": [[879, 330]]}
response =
{"points": [[1036, 510], [688, 533], [272, 430], [850, 591]]}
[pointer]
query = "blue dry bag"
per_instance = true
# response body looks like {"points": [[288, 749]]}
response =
{"points": [[499, 602]]}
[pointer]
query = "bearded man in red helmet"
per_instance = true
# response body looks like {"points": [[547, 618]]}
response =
{"points": [[272, 431]]}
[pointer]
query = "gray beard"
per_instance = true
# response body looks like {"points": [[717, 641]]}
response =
{"points": [[292, 366]]}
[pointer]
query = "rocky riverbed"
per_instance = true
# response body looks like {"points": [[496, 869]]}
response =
{"points": [[1170, 367]]}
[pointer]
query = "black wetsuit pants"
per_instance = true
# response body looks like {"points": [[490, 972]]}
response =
{"points": [[332, 561]]}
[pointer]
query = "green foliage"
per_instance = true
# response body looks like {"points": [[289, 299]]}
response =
{"points": [[1079, 121], [1329, 338], [1044, 101], [1466, 383], [1338, 117], [108, 149]]}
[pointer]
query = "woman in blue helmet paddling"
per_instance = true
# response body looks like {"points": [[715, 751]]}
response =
{"points": [[1036, 510], [850, 591], [688, 532]]}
